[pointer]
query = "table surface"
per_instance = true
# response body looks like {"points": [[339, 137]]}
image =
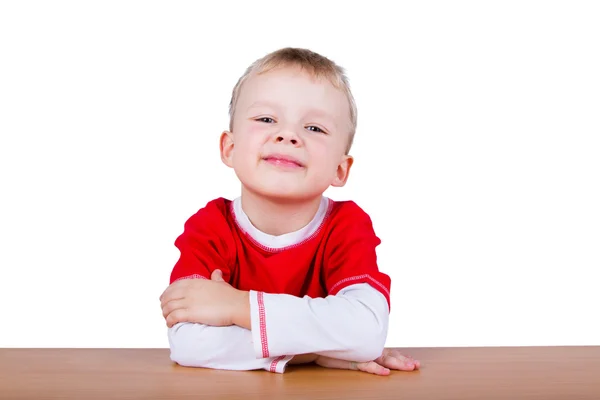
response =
{"points": [[545, 373]]}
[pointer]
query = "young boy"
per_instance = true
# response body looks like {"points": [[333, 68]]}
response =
{"points": [[283, 275]]}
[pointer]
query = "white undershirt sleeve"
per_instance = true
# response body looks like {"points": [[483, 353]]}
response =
{"points": [[219, 347], [351, 325]]}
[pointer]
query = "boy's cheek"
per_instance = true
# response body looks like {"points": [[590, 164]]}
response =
{"points": [[249, 127], [258, 130]]}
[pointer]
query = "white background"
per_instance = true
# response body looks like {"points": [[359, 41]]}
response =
{"points": [[477, 156]]}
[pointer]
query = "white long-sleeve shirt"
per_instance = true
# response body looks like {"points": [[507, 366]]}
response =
{"points": [[351, 325]]}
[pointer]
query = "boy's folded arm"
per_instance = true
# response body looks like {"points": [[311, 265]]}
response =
{"points": [[227, 347], [351, 325]]}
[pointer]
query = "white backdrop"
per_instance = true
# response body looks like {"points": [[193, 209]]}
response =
{"points": [[477, 156]]}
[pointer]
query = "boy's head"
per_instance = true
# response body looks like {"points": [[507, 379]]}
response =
{"points": [[292, 123]]}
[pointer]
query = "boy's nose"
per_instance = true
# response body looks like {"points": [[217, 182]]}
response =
{"points": [[283, 139], [287, 135]]}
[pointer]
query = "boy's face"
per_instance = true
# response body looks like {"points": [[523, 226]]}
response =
{"points": [[290, 134]]}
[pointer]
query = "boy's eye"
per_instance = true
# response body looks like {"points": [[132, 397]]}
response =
{"points": [[268, 120], [317, 129]]}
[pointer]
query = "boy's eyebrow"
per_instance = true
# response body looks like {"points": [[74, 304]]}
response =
{"points": [[322, 114], [261, 103]]}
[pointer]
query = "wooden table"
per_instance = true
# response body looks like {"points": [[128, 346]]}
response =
{"points": [[544, 373]]}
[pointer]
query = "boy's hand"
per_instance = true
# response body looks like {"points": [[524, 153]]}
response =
{"points": [[211, 302], [390, 359]]}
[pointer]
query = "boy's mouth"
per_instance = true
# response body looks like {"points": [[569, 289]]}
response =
{"points": [[283, 160]]}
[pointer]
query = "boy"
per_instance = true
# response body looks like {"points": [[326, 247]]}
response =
{"points": [[283, 275]]}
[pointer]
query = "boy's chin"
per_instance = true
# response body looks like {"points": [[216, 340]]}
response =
{"points": [[280, 193]]}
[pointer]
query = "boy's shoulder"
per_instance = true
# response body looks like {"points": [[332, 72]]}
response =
{"points": [[348, 209], [220, 205], [347, 214], [214, 212]]}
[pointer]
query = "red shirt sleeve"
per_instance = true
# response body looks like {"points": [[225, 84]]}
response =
{"points": [[350, 252], [206, 244]]}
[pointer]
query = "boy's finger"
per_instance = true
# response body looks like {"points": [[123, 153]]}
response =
{"points": [[170, 296], [171, 306], [400, 363], [396, 353], [165, 293], [217, 275], [373, 368], [370, 367], [178, 315]]}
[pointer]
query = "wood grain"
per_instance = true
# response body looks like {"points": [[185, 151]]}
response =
{"points": [[543, 373]]}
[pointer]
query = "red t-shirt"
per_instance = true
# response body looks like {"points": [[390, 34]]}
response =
{"points": [[341, 252]]}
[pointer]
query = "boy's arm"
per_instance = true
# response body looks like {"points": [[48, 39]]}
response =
{"points": [[333, 327], [351, 325], [226, 347], [234, 347]]}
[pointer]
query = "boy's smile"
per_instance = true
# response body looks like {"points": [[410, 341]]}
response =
{"points": [[283, 161]]}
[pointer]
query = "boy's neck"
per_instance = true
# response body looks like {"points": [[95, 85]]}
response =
{"points": [[275, 217]]}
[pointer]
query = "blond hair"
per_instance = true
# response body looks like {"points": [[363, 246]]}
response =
{"points": [[315, 64]]}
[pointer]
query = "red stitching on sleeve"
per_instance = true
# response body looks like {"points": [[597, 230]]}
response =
{"points": [[263, 324], [194, 276], [274, 363], [358, 277]]}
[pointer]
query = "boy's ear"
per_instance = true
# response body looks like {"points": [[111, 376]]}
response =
{"points": [[343, 171], [226, 146]]}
